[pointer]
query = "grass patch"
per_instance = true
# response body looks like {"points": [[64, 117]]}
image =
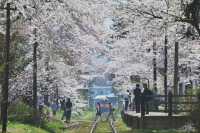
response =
{"points": [[83, 128], [103, 127], [53, 126], [24, 128], [121, 127]]}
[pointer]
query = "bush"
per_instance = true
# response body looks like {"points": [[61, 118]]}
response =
{"points": [[19, 111]]}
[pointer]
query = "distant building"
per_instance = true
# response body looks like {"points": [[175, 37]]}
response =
{"points": [[101, 87]]}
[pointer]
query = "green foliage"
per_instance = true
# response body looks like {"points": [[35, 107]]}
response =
{"points": [[23, 113], [1, 72], [20, 112], [23, 128], [195, 114], [53, 126], [1, 68], [198, 93]]}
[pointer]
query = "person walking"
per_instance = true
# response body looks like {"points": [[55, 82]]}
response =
{"points": [[68, 110], [137, 93], [98, 111], [110, 114]]}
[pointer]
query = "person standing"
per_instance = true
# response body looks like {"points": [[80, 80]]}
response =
{"points": [[98, 111], [137, 93], [126, 100], [63, 107], [54, 108], [155, 99], [110, 114], [129, 99], [147, 95], [68, 110]]}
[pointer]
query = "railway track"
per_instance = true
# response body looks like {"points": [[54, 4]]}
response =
{"points": [[112, 126], [98, 121], [94, 125]]}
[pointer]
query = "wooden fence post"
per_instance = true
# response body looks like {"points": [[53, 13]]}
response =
{"points": [[170, 103]]}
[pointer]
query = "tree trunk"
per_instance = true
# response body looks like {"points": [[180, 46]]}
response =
{"points": [[35, 81], [4, 102], [35, 76], [154, 69], [165, 72], [176, 69]]}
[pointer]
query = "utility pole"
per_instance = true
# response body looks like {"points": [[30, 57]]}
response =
{"points": [[57, 96], [4, 102], [165, 71], [46, 97], [165, 57], [35, 77], [176, 68], [154, 68]]}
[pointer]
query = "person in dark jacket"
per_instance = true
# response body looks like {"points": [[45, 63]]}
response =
{"points": [[147, 95], [63, 107], [68, 110], [137, 93]]}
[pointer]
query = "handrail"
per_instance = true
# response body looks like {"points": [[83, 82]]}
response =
{"points": [[184, 95], [185, 102], [154, 96]]}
